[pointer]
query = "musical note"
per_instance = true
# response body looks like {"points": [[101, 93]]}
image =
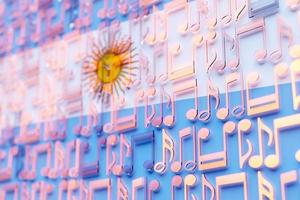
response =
{"points": [[190, 180], [7, 171], [139, 140], [92, 120], [284, 123], [284, 31], [154, 186], [189, 165], [222, 62], [138, 184], [111, 141], [180, 88], [216, 160], [287, 178], [158, 119], [150, 93], [268, 103], [230, 180], [295, 73], [212, 92], [41, 187], [256, 161], [122, 191], [167, 146], [265, 188], [59, 161], [122, 124], [175, 183], [244, 127], [207, 185], [125, 148], [8, 189], [251, 28], [100, 185], [231, 80]]}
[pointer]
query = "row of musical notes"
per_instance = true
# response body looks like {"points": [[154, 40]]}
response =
{"points": [[193, 186]]}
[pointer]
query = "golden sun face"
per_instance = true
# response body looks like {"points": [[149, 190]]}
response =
{"points": [[109, 69]]}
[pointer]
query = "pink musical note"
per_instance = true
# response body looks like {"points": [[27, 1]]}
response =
{"points": [[251, 28], [189, 165], [284, 31], [212, 92], [179, 88], [286, 179], [232, 80]]}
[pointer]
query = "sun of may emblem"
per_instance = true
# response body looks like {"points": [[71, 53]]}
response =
{"points": [[109, 67]]}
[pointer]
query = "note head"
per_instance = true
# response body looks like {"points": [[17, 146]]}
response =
{"points": [[233, 64], [160, 167], [149, 165], [128, 170], [282, 70], [226, 20], [204, 134], [195, 27], [156, 122], [261, 56], [222, 114], [191, 114], [176, 167], [272, 161], [204, 116], [275, 56], [169, 121], [294, 51], [256, 162], [117, 170], [190, 165], [190, 180], [154, 185], [177, 181], [245, 125]]}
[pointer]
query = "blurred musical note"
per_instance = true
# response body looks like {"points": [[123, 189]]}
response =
{"points": [[179, 88], [251, 28], [154, 186], [175, 183], [102, 184], [139, 140], [284, 31], [268, 103], [125, 148], [295, 73], [212, 92], [6, 172]]}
